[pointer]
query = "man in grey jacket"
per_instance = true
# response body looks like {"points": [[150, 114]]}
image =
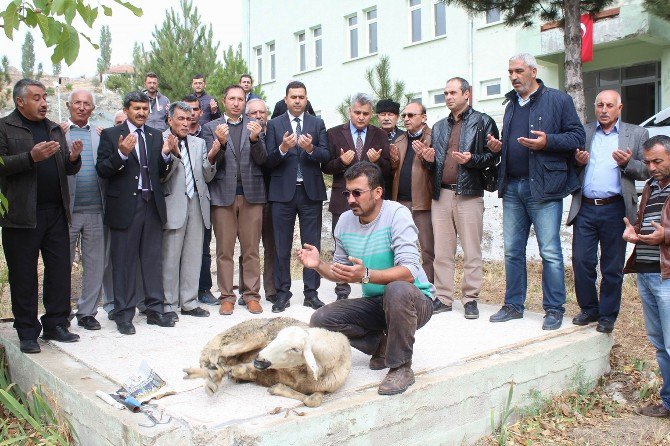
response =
{"points": [[610, 163], [158, 103]]}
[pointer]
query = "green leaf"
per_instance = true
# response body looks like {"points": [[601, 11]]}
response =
{"points": [[59, 6], [57, 55], [43, 24], [135, 10], [13, 405], [10, 19], [55, 31], [94, 45], [70, 11], [31, 18], [71, 45], [106, 10]]}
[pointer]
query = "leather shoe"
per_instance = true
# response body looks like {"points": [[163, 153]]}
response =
{"points": [[656, 411], [172, 315], [254, 307], [552, 320], [125, 328], [206, 297], [584, 318], [281, 303], [471, 311], [29, 346], [342, 296], [313, 302], [241, 301], [397, 380], [59, 333], [605, 326], [271, 297], [506, 313], [197, 312], [88, 322], [226, 308], [378, 359], [439, 307], [160, 319]]}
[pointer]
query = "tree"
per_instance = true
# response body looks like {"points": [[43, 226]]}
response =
{"points": [[383, 87], [40, 71], [182, 47], [54, 20], [105, 59], [658, 7], [233, 67], [55, 69], [4, 94], [28, 56]]}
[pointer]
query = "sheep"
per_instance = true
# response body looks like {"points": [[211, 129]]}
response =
{"points": [[282, 353]]}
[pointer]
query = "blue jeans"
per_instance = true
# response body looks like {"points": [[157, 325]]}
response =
{"points": [[520, 210], [655, 296]]}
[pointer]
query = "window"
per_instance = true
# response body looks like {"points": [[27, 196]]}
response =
{"points": [[438, 97], [271, 56], [318, 47], [302, 51], [371, 16], [352, 23], [259, 64], [416, 97], [440, 13], [493, 15], [491, 87], [415, 20]]}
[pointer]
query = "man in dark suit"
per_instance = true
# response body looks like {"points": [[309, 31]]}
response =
{"points": [[349, 144], [134, 159], [297, 145], [610, 163]]}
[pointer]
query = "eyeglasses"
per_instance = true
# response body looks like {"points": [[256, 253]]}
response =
{"points": [[409, 115], [356, 193]]}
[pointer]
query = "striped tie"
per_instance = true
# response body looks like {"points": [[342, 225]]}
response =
{"points": [[359, 145], [189, 172]]}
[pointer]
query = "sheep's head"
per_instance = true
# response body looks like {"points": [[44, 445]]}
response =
{"points": [[291, 348]]}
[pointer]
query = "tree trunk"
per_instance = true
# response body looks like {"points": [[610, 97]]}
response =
{"points": [[572, 40]]}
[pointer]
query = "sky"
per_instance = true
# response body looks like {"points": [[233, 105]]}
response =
{"points": [[126, 29]]}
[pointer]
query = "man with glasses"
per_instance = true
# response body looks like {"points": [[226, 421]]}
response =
{"points": [[412, 184], [375, 245]]}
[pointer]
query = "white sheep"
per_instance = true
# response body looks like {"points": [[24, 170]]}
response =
{"points": [[284, 354]]}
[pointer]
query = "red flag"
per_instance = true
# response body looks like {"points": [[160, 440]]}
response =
{"points": [[587, 37]]}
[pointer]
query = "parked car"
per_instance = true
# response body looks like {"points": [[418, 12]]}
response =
{"points": [[659, 124]]}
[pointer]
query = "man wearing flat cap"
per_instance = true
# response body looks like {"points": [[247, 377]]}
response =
{"points": [[388, 112]]}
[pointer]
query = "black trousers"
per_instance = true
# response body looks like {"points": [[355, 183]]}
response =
{"points": [[283, 216], [141, 243], [22, 248]]}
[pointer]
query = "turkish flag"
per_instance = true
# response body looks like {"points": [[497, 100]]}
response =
{"points": [[587, 37]]}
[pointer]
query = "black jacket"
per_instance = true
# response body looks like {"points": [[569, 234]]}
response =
{"points": [[475, 127], [18, 180]]}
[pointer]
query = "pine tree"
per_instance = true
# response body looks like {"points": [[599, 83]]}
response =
{"points": [[56, 68], [233, 67], [105, 59], [40, 71], [658, 7], [28, 56], [4, 81]]}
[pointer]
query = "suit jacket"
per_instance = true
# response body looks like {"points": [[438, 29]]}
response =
{"points": [[422, 178], [629, 136], [284, 168], [72, 180], [123, 176], [339, 137], [174, 183], [252, 156]]}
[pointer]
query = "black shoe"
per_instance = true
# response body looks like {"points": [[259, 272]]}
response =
{"points": [[241, 301], [552, 320], [197, 312], [59, 333], [605, 326], [281, 303], [29, 346], [471, 311], [206, 297], [160, 319], [88, 322], [125, 328], [584, 318], [439, 307], [172, 315], [111, 315], [342, 296], [313, 302], [506, 313], [271, 298]]}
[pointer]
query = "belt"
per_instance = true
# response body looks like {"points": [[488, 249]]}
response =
{"points": [[602, 201], [448, 186]]}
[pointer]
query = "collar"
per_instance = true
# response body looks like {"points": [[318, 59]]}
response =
{"points": [[199, 95], [72, 125], [417, 134], [464, 114], [229, 120], [291, 117], [657, 185], [513, 95], [197, 130], [132, 127], [615, 128], [354, 130]]}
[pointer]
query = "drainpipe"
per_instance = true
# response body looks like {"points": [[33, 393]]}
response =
{"points": [[471, 58]]}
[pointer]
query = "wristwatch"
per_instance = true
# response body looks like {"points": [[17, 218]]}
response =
{"points": [[366, 277]]}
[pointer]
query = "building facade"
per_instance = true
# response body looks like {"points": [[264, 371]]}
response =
{"points": [[330, 45]]}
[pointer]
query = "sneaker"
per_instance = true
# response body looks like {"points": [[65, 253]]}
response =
{"points": [[471, 311], [439, 307], [656, 411], [206, 297], [397, 380], [506, 313], [552, 320]]}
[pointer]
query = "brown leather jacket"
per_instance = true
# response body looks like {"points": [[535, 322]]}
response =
{"points": [[422, 183], [663, 247]]}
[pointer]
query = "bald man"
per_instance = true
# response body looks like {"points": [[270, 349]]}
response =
{"points": [[608, 167]]}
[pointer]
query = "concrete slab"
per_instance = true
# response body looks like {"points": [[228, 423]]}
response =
{"points": [[463, 367]]}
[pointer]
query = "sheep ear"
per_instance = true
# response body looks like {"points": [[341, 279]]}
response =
{"points": [[310, 360]]}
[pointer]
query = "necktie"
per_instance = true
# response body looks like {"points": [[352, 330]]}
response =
{"points": [[298, 132], [144, 167], [359, 145], [186, 158]]}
